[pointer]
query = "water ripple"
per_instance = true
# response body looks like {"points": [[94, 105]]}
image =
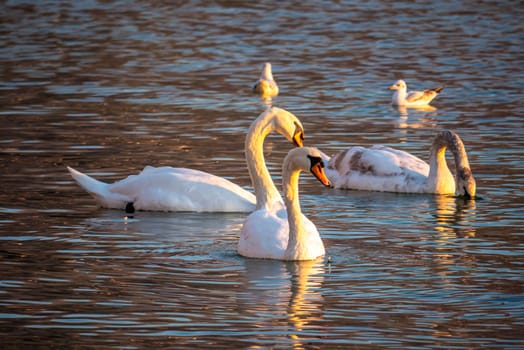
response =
{"points": [[108, 88]]}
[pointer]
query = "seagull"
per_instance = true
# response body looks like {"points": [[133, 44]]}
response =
{"points": [[266, 86], [401, 97]]}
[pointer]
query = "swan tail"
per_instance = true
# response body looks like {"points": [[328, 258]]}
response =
{"points": [[100, 191]]}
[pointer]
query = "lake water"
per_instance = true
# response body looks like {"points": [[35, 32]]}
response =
{"points": [[108, 87]]}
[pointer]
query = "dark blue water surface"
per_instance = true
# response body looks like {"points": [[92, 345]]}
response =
{"points": [[111, 86]]}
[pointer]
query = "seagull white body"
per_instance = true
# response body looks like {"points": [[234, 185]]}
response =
{"points": [[266, 86], [401, 97]]}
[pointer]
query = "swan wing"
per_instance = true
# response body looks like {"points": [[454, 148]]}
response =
{"points": [[403, 159], [181, 189], [378, 168], [265, 234]]}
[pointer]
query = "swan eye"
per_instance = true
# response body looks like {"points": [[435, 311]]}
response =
{"points": [[315, 160]]}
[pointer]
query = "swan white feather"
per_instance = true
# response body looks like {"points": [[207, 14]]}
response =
{"points": [[169, 189], [280, 231], [381, 168], [181, 189], [401, 97]]}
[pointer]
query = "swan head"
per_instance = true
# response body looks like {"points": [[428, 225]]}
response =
{"points": [[308, 159], [288, 125], [399, 85], [466, 185]]}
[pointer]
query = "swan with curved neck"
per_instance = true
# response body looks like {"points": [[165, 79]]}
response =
{"points": [[266, 86], [182, 189], [381, 168], [273, 119], [282, 232], [401, 97]]}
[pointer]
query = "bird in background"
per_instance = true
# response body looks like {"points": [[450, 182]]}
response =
{"points": [[266, 86], [402, 97]]}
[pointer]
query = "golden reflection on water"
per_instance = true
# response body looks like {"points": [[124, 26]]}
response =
{"points": [[455, 217], [114, 88], [305, 303], [290, 286]]}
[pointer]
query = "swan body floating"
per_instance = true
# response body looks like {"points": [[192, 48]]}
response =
{"points": [[168, 189], [266, 86], [381, 168], [181, 189], [279, 230], [401, 97]]}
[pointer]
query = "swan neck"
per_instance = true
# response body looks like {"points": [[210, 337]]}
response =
{"points": [[456, 146], [438, 165], [265, 190], [294, 214]]}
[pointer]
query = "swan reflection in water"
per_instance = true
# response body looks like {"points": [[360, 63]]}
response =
{"points": [[177, 235], [454, 217], [287, 290], [454, 220], [283, 296]]}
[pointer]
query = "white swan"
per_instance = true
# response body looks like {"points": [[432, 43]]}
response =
{"points": [[181, 189], [266, 86], [401, 97], [381, 168], [275, 231]]}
